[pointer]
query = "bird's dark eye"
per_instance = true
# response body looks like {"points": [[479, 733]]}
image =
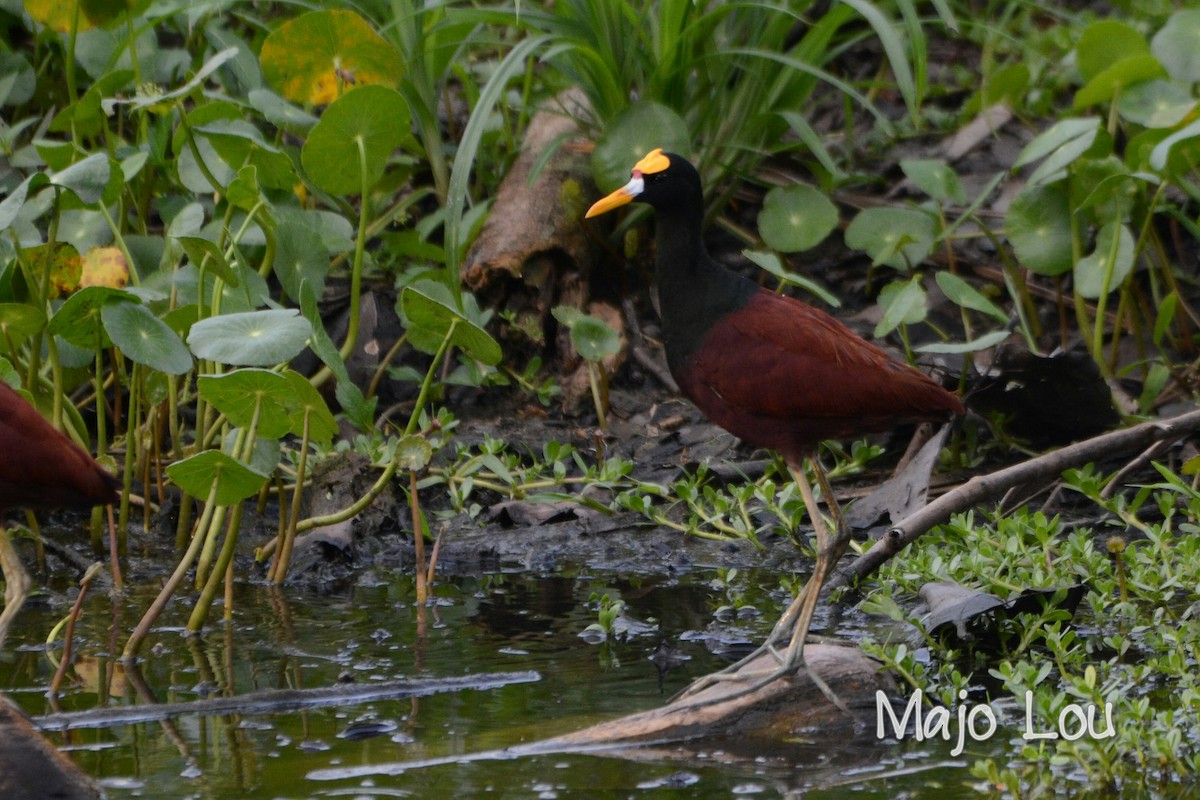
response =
{"points": [[656, 177]]}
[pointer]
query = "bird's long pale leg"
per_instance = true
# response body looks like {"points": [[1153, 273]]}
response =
{"points": [[830, 548], [795, 623], [17, 583]]}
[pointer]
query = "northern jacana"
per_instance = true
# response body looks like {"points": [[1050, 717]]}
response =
{"points": [[771, 370], [40, 468]]}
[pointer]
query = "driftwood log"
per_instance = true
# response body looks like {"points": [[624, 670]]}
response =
{"points": [[534, 251]]}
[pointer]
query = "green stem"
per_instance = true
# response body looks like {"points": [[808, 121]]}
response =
{"points": [[156, 608], [360, 244]]}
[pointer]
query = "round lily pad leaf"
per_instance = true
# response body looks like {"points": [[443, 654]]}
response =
{"points": [[79, 321], [307, 401], [423, 309], [635, 132], [1127, 72], [1106, 42], [19, 321], [1156, 104], [900, 237], [248, 397], [1038, 225], [251, 338], [796, 218], [594, 339], [307, 58], [144, 338], [357, 132], [104, 266], [413, 452], [1176, 45], [1107, 266], [234, 480]]}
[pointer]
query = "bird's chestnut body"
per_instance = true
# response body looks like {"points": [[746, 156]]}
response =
{"points": [[40, 467]]}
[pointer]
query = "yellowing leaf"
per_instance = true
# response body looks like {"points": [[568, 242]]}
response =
{"points": [[104, 266], [56, 14], [64, 265], [316, 57]]}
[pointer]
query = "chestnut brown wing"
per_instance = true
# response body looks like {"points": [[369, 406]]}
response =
{"points": [[782, 374], [40, 466]]}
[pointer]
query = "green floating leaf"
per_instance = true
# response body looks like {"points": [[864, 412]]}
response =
{"points": [[1038, 225], [307, 59], [591, 336], [1105, 86], [1108, 264], [935, 178], [796, 218], [85, 179], [144, 338], [239, 143], [248, 397], [307, 401], [634, 133], [1156, 104], [413, 453], [900, 237], [967, 296], [357, 134], [19, 321], [78, 320], [1106, 42], [251, 338], [234, 480], [423, 308], [1177, 45], [903, 303]]}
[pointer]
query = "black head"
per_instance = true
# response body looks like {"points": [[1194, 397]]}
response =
{"points": [[664, 180]]}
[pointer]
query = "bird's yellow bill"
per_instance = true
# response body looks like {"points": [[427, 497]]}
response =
{"points": [[620, 197]]}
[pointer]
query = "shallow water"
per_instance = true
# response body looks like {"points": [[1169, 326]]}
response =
{"points": [[426, 747]]}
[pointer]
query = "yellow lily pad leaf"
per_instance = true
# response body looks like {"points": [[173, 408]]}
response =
{"points": [[316, 57], [64, 265], [56, 14], [104, 266]]}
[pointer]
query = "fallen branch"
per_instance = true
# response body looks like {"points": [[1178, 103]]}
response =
{"points": [[278, 701], [988, 488]]}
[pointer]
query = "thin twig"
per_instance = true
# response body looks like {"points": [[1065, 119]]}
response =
{"points": [[986, 488]]}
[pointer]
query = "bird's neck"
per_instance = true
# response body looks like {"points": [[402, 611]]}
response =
{"points": [[694, 291]]}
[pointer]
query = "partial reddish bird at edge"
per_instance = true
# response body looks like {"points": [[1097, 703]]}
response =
{"points": [[771, 370], [40, 468]]}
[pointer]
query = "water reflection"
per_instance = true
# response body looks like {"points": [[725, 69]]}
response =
{"points": [[420, 746]]}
